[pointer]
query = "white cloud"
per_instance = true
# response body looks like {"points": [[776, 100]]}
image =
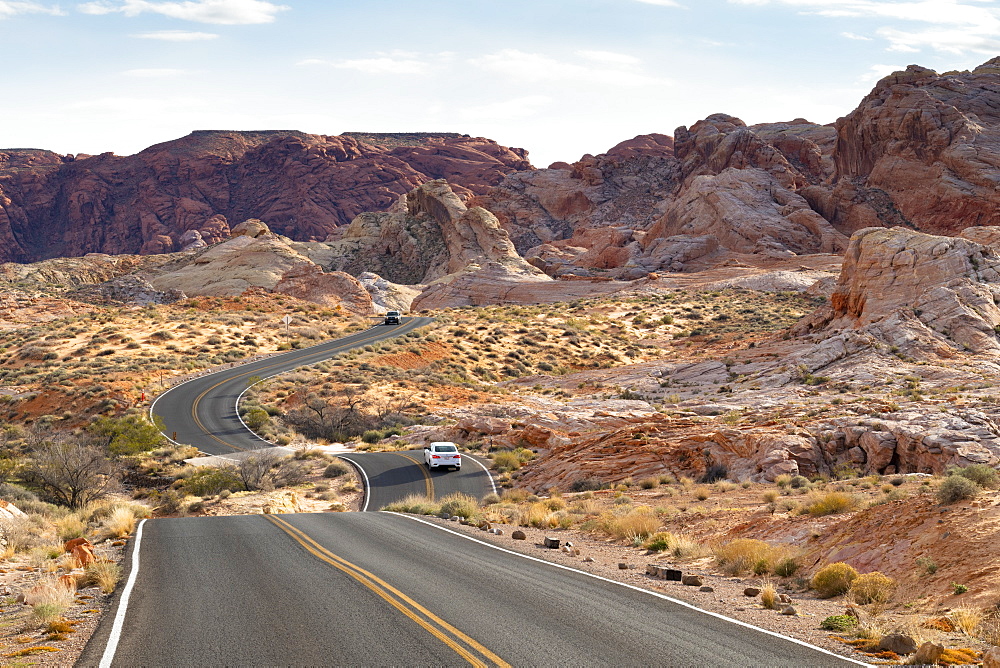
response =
{"points": [[176, 35], [661, 3], [851, 35], [609, 57], [152, 73], [379, 65], [8, 9], [535, 68], [225, 12], [959, 26]]}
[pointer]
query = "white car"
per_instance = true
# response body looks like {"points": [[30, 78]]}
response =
{"points": [[442, 453]]}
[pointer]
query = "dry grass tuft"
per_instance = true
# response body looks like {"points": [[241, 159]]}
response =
{"points": [[636, 524], [830, 503], [769, 596], [967, 620], [749, 555], [105, 574], [49, 600], [120, 523], [678, 546]]}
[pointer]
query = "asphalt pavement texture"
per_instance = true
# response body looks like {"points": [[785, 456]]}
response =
{"points": [[240, 591]]}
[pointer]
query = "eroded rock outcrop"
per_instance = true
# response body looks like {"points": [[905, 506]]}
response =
{"points": [[920, 292], [427, 235], [303, 186], [923, 150]]}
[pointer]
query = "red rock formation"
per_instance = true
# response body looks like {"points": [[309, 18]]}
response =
{"points": [[922, 150], [303, 186]]}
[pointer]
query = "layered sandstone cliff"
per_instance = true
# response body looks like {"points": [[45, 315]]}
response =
{"points": [[184, 192]]}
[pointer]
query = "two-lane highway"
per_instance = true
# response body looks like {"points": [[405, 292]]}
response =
{"points": [[391, 476], [385, 589], [202, 411]]}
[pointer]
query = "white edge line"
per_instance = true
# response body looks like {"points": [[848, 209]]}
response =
{"points": [[265, 358], [488, 474], [633, 587], [116, 628], [364, 475]]}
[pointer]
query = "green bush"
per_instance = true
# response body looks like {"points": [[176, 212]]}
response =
{"points": [[506, 460], [873, 587], [983, 475], [786, 567], [833, 579], [957, 488], [335, 470], [207, 481], [839, 623]]}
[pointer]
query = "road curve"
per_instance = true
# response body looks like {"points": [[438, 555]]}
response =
{"points": [[391, 476], [202, 411], [385, 589]]}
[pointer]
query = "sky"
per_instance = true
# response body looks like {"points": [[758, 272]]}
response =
{"points": [[559, 78]]}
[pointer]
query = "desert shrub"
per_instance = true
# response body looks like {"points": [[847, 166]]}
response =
{"points": [[459, 504], [782, 480], [957, 488], [770, 496], [839, 623], [748, 555], [833, 579], [506, 460], [983, 475], [414, 503], [714, 472], [49, 600], [649, 483], [105, 574], [70, 473], [634, 524], [208, 480], [786, 567], [127, 435], [873, 587], [71, 526], [336, 469], [769, 597], [702, 493], [798, 481], [588, 484], [673, 544], [830, 503]]}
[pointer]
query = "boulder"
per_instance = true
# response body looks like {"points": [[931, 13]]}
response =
{"points": [[518, 535], [551, 543], [751, 591], [899, 643], [928, 654], [692, 580]]}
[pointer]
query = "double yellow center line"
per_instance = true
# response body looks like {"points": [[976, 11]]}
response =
{"points": [[463, 645]]}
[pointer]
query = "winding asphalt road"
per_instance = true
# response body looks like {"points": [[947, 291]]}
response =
{"points": [[391, 476], [202, 411], [386, 589]]}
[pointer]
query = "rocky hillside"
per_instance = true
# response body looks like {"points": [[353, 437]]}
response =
{"points": [[182, 192], [920, 151]]}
